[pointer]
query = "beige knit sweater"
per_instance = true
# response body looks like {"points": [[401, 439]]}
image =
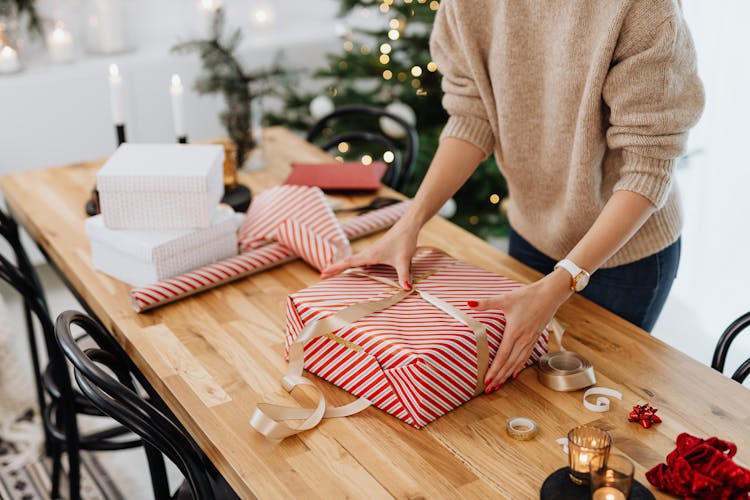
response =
{"points": [[577, 99]]}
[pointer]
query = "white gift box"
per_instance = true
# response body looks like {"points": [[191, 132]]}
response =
{"points": [[140, 257], [161, 186]]}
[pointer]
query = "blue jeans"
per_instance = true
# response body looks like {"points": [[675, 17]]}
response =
{"points": [[635, 291]]}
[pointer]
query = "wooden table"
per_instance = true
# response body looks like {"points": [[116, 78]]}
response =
{"points": [[212, 357]]}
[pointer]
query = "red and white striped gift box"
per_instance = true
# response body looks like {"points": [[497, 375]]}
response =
{"points": [[412, 360]]}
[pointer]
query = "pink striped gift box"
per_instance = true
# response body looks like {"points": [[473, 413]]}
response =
{"points": [[412, 359]]}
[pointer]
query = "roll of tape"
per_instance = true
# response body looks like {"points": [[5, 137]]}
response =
{"points": [[565, 371], [602, 402], [521, 428]]}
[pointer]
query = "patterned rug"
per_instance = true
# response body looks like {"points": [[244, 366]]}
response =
{"points": [[32, 482]]}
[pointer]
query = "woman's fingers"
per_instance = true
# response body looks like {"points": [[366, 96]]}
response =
{"points": [[356, 260], [519, 355], [496, 302], [403, 270], [492, 381], [336, 268]]}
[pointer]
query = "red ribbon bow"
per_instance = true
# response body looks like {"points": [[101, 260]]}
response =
{"points": [[702, 469], [645, 415]]}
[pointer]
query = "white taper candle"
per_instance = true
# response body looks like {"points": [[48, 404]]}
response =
{"points": [[116, 98]]}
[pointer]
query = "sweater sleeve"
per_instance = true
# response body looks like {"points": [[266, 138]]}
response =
{"points": [[461, 97], [654, 96]]}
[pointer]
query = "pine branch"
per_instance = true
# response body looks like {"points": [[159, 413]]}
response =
{"points": [[224, 74]]}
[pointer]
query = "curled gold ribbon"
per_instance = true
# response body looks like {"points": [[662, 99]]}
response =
{"points": [[270, 420], [564, 370]]}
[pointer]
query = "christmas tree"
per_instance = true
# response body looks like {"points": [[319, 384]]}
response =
{"points": [[385, 61]]}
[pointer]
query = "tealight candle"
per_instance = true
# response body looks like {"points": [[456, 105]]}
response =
{"points": [[586, 444], [9, 62], [608, 493], [611, 477], [60, 44], [178, 110]]}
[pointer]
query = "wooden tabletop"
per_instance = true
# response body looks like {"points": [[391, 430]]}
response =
{"points": [[212, 357]]}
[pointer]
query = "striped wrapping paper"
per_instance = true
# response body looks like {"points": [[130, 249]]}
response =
{"points": [[411, 360], [272, 208], [250, 262]]}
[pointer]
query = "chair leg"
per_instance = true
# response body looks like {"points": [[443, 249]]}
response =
{"points": [[158, 471], [36, 366], [56, 454], [73, 452]]}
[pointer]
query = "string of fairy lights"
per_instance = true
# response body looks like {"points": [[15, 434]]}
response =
{"points": [[384, 60]]}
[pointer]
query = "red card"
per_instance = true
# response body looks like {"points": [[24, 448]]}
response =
{"points": [[338, 176]]}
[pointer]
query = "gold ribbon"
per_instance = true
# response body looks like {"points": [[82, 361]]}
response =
{"points": [[270, 420], [564, 370]]}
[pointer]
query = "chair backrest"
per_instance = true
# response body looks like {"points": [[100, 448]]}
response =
{"points": [[722, 348], [9, 231], [23, 278], [401, 169], [117, 397]]}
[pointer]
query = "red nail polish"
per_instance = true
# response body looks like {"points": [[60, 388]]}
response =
{"points": [[408, 285], [472, 303], [515, 375]]}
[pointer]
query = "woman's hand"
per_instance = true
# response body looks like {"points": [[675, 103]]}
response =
{"points": [[396, 248], [528, 310]]}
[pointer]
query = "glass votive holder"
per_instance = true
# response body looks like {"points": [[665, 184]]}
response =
{"points": [[230, 163], [586, 444], [10, 53], [611, 478]]}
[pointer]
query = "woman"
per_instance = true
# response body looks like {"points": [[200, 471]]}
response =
{"points": [[586, 105]]}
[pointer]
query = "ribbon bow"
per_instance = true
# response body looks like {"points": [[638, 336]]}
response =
{"points": [[702, 469], [645, 415]]}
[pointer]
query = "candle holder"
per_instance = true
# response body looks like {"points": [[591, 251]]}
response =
{"points": [[61, 44], [236, 195], [558, 486], [10, 53], [611, 479], [107, 26], [586, 444]]}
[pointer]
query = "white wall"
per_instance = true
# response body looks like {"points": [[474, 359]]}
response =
{"points": [[713, 286], [57, 114]]}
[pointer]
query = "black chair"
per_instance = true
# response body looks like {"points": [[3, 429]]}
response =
{"points": [[117, 397], [59, 403], [722, 347], [405, 158]]}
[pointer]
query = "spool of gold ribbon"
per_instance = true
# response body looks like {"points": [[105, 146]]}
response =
{"points": [[564, 370]]}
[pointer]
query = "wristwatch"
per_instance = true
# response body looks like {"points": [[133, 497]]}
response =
{"points": [[579, 278]]}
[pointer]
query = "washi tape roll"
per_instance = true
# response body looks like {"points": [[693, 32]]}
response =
{"points": [[521, 428], [565, 371]]}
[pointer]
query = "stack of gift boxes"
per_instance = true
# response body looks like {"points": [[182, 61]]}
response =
{"points": [[160, 212]]}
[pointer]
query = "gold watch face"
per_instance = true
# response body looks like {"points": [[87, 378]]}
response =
{"points": [[581, 281]]}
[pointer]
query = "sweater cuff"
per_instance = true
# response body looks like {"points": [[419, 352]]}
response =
{"points": [[649, 177], [470, 129]]}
